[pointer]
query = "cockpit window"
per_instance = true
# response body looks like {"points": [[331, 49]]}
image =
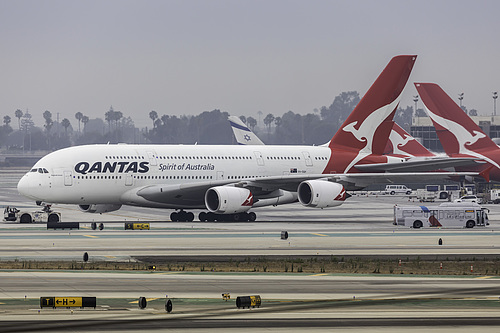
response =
{"points": [[45, 170], [33, 170], [40, 170]]}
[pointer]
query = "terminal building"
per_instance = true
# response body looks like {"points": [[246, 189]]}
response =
{"points": [[423, 130]]}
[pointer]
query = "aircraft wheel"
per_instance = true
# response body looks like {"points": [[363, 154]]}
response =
{"points": [[211, 217], [93, 225], [202, 216], [174, 217], [101, 226], [189, 217], [252, 217]]}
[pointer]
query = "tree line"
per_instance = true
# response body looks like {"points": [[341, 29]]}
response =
{"points": [[208, 127]]}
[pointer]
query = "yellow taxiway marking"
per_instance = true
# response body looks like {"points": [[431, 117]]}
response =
{"points": [[319, 235], [111, 257], [91, 236], [484, 277], [318, 275], [147, 299]]}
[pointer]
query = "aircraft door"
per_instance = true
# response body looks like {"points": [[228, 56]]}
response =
{"points": [[259, 158], [129, 180], [152, 158], [307, 158], [68, 178]]}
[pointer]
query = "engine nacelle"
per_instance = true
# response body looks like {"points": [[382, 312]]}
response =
{"points": [[100, 208], [321, 193], [228, 199]]}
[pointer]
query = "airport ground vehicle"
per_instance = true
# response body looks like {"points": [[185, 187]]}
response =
{"points": [[12, 214], [494, 196], [468, 198], [465, 215], [435, 192], [397, 189]]}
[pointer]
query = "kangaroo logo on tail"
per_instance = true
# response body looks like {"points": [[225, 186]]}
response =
{"points": [[366, 131]]}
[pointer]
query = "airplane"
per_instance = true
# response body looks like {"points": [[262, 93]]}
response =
{"points": [[459, 135], [229, 180], [243, 135]]}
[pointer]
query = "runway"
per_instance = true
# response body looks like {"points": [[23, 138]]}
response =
{"points": [[292, 301]]}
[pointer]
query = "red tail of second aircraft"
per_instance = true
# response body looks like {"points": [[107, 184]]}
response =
{"points": [[402, 144], [458, 133]]}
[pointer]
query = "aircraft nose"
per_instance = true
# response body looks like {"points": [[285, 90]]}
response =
{"points": [[23, 186]]}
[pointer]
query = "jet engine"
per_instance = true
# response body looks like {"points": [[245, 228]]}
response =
{"points": [[98, 209], [321, 193], [228, 199]]}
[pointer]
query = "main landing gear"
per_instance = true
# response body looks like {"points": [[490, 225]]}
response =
{"points": [[238, 217], [182, 216]]}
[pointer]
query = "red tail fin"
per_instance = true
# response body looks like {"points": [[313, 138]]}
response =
{"points": [[368, 126], [402, 143], [458, 133]]}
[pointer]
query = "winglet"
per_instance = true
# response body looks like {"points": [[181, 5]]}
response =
{"points": [[486, 173]]}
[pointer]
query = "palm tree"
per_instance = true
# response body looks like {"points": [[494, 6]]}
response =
{"points": [[19, 115], [117, 116], [85, 120], [153, 115], [7, 120], [47, 115], [268, 121], [79, 116], [251, 122], [65, 123], [109, 116]]}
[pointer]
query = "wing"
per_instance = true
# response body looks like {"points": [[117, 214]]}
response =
{"points": [[192, 195], [419, 165], [361, 180]]}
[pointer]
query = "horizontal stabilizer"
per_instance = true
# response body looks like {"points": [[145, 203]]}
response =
{"points": [[419, 165]]}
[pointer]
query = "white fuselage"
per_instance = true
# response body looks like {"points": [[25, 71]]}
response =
{"points": [[112, 174]]}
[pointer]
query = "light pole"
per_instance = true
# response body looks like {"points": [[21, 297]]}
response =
{"points": [[415, 99], [495, 96], [460, 98]]}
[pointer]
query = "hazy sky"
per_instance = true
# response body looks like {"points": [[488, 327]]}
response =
{"points": [[185, 57]]}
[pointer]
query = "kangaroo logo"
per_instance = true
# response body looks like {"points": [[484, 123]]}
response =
{"points": [[341, 196], [462, 135], [248, 201], [398, 141], [366, 131]]}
